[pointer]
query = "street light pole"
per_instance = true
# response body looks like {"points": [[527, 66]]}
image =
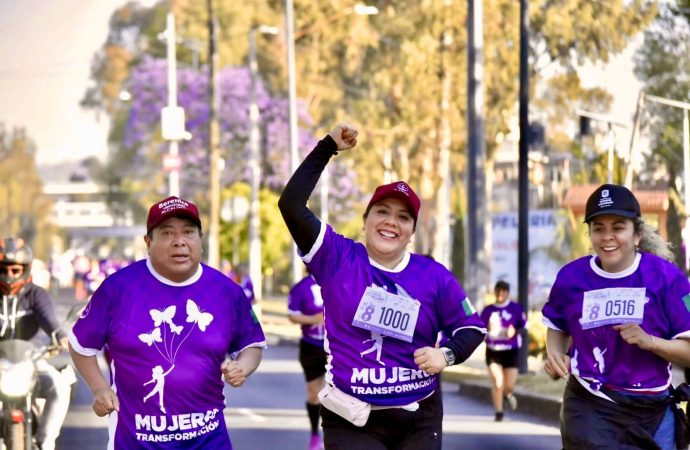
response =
{"points": [[685, 106], [255, 170], [610, 136], [359, 9], [213, 142], [255, 272]]}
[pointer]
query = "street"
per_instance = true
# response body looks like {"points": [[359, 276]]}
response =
{"points": [[268, 413]]}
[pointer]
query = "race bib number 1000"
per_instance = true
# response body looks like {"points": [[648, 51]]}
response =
{"points": [[613, 306], [388, 314]]}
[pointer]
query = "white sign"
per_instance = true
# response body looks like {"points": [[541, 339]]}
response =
{"points": [[542, 267]]}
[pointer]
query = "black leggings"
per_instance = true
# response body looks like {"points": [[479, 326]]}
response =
{"points": [[388, 429]]}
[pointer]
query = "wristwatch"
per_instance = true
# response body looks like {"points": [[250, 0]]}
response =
{"points": [[449, 355]]}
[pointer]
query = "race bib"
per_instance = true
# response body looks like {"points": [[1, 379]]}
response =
{"points": [[388, 314], [612, 306]]}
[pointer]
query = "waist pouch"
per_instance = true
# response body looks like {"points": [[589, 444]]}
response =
{"points": [[346, 406]]}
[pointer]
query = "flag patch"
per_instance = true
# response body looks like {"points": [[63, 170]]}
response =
{"points": [[254, 318], [469, 309], [686, 300]]}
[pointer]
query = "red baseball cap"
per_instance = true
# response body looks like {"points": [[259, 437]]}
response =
{"points": [[171, 207], [400, 190]]}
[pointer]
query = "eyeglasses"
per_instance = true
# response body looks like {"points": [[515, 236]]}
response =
{"points": [[13, 271]]}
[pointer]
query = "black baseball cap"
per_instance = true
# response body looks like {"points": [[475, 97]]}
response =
{"points": [[612, 199]]}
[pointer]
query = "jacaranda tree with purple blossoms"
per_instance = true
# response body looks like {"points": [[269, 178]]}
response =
{"points": [[148, 86]]}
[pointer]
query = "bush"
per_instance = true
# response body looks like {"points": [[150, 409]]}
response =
{"points": [[536, 332]]}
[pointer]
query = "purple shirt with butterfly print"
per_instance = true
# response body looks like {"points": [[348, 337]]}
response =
{"points": [[498, 320], [167, 342], [599, 355], [374, 368]]}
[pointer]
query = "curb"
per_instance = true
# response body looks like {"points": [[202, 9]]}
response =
{"points": [[540, 406]]}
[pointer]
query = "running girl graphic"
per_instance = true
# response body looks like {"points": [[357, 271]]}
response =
{"points": [[167, 340], [158, 376], [377, 339]]}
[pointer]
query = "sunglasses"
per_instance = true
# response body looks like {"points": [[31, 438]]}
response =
{"points": [[13, 271]]}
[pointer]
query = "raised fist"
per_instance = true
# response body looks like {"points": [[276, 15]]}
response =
{"points": [[344, 135]]}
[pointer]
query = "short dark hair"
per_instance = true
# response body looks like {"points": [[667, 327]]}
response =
{"points": [[502, 286]]}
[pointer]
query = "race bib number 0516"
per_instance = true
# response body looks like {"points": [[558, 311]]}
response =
{"points": [[387, 314], [612, 306]]}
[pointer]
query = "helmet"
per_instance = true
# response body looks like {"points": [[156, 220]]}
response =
{"points": [[14, 251]]}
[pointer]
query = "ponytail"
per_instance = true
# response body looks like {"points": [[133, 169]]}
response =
{"points": [[651, 242]]}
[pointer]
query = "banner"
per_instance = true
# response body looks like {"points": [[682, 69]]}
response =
{"points": [[543, 268]]}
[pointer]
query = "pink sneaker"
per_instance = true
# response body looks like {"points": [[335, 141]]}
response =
{"points": [[315, 442]]}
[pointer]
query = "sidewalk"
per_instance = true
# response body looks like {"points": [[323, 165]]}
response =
{"points": [[536, 392]]}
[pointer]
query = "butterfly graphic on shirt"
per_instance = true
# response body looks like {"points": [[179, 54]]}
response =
{"points": [[150, 338], [173, 341], [165, 315], [196, 315]]}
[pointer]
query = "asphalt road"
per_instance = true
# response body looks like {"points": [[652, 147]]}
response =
{"points": [[268, 413]]}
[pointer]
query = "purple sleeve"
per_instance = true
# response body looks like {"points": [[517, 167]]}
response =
{"points": [[247, 326], [677, 306], [294, 303], [554, 310], [325, 260], [521, 317], [455, 309], [91, 330], [485, 315]]}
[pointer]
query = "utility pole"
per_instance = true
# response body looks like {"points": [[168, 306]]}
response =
{"points": [[442, 230], [292, 111], [213, 141], [172, 116], [523, 179], [476, 193]]}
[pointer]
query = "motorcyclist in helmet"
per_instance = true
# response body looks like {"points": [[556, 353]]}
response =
{"points": [[25, 308]]}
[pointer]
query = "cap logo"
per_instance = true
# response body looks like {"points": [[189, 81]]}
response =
{"points": [[402, 187], [172, 205], [605, 200]]}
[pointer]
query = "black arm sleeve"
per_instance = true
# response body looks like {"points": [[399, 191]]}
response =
{"points": [[303, 225], [464, 343]]}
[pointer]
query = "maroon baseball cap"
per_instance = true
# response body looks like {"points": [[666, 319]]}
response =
{"points": [[172, 207], [400, 190]]}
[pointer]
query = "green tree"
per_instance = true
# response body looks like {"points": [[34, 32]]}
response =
{"points": [[394, 71], [663, 63], [24, 209]]}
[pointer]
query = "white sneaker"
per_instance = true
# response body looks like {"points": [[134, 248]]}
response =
{"points": [[512, 401]]}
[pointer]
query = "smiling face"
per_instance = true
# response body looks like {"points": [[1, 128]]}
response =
{"points": [[388, 227], [614, 240], [175, 249]]}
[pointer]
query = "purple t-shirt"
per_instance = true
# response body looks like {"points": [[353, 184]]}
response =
{"points": [[167, 342], [598, 354], [305, 298], [498, 319], [376, 367]]}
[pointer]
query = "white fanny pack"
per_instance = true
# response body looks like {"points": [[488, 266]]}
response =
{"points": [[346, 406]]}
